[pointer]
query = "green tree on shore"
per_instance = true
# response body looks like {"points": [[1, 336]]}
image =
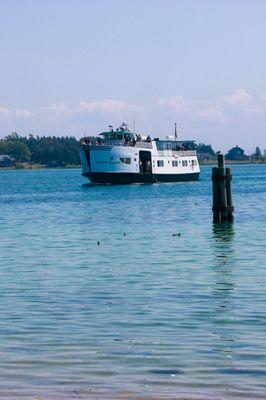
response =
{"points": [[51, 151], [257, 155], [13, 146], [205, 148], [19, 151]]}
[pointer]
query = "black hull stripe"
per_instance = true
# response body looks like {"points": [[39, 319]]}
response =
{"points": [[88, 157], [125, 178]]}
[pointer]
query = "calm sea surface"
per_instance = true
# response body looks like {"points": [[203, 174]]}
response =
{"points": [[144, 312]]}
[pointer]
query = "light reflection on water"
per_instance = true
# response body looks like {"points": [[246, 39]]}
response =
{"points": [[146, 311]]}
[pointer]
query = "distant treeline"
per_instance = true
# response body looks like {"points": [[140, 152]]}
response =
{"points": [[63, 151], [51, 151]]}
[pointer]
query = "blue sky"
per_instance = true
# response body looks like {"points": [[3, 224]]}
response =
{"points": [[74, 66]]}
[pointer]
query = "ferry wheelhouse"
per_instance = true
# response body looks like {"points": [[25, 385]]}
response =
{"points": [[121, 156]]}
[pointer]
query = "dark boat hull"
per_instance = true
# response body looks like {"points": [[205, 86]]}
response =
{"points": [[120, 178]]}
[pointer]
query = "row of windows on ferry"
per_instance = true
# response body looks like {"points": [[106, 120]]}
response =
{"points": [[160, 163], [175, 163]]}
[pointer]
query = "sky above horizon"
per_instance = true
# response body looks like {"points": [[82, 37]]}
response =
{"points": [[70, 67]]}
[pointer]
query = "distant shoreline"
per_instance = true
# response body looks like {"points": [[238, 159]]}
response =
{"points": [[26, 166], [214, 162]]}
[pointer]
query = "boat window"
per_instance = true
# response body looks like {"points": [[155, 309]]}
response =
{"points": [[163, 145], [125, 160], [184, 163], [159, 145], [194, 162], [160, 163], [174, 163]]}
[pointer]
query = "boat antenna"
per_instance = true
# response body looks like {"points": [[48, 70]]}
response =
{"points": [[175, 131]]}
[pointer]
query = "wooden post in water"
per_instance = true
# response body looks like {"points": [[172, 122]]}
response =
{"points": [[215, 196], [222, 192], [222, 187], [229, 197]]}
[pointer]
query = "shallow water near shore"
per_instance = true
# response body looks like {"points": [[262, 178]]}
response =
{"points": [[143, 313]]}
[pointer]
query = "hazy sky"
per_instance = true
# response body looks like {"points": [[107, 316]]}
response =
{"points": [[75, 66]]}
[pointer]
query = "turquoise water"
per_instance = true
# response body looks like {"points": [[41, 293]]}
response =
{"points": [[142, 313]]}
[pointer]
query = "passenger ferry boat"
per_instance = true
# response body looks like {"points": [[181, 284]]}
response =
{"points": [[121, 156]]}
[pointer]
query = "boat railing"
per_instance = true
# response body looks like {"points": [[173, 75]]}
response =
{"points": [[142, 144], [146, 145], [178, 153], [94, 141], [185, 153], [114, 142]]}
